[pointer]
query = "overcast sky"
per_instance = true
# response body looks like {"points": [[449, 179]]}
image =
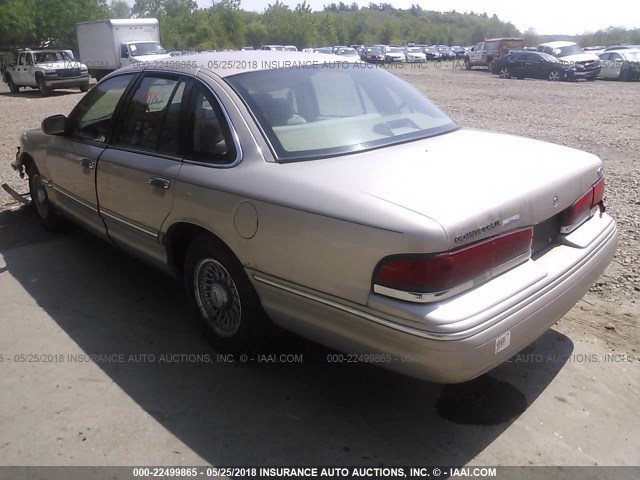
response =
{"points": [[545, 16]]}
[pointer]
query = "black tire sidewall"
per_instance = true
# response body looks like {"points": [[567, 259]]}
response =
{"points": [[254, 324], [42, 88], [51, 221]]}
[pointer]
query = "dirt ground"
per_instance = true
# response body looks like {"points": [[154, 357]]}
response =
{"points": [[600, 117]]}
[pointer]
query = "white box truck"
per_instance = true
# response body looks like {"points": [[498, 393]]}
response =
{"points": [[107, 45]]}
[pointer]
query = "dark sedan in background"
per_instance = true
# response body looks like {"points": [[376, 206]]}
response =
{"points": [[525, 64]]}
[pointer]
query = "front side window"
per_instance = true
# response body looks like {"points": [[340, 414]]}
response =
{"points": [[330, 109], [91, 119], [151, 116]]}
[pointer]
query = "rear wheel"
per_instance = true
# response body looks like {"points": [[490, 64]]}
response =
{"points": [[222, 297], [554, 76], [13, 88], [47, 214], [505, 73], [467, 64], [42, 87]]}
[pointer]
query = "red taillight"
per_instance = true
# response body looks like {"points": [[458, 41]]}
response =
{"points": [[438, 273], [581, 207]]}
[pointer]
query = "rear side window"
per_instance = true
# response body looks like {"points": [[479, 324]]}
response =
{"points": [[210, 139], [152, 116], [91, 119]]}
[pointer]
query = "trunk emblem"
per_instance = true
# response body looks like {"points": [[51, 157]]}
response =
{"points": [[555, 201]]}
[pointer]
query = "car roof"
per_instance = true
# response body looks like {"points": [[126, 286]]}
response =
{"points": [[624, 50], [558, 44], [225, 64]]}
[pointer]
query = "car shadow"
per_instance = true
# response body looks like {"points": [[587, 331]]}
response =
{"points": [[34, 94], [308, 412]]}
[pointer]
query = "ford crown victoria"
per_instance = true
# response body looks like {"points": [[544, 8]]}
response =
{"points": [[331, 199]]}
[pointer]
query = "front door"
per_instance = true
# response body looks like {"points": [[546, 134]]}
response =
{"points": [[72, 158]]}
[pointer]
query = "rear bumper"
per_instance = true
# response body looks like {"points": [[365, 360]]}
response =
{"points": [[455, 340]]}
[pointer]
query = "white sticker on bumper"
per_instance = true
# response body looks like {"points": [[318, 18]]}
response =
{"points": [[503, 341]]}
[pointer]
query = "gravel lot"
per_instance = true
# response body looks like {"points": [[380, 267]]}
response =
{"points": [[601, 117]]}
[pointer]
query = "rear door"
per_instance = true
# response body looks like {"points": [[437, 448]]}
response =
{"points": [[72, 158], [137, 172]]}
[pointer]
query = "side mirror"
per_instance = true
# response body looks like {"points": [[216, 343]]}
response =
{"points": [[54, 125]]}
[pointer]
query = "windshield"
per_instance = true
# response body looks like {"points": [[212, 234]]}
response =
{"points": [[374, 51], [148, 48], [50, 57], [395, 50], [332, 108], [414, 50], [569, 50]]}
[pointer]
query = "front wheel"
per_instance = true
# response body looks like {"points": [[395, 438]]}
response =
{"points": [[467, 64], [222, 298], [490, 66], [42, 87], [505, 73], [47, 214], [554, 76]]}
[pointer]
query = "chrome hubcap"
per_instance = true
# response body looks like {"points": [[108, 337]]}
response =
{"points": [[217, 297]]}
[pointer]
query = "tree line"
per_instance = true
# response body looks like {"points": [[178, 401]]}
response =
{"points": [[185, 26]]}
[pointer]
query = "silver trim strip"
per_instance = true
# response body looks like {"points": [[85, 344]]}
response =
{"points": [[428, 297], [70, 196], [128, 224], [364, 315]]}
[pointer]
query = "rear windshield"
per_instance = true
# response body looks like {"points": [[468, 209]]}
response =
{"points": [[331, 109]]}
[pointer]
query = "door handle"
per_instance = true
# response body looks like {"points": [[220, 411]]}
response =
{"points": [[86, 163], [159, 182]]}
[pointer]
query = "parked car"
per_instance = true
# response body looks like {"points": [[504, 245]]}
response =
{"points": [[335, 48], [290, 48], [273, 48], [620, 64], [446, 52], [415, 55], [432, 53], [45, 70], [459, 51], [533, 65], [348, 52], [483, 54], [333, 202], [394, 54], [587, 65], [596, 50], [325, 50], [374, 55]]}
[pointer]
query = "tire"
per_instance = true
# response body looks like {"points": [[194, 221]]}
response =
{"points": [[467, 64], [13, 88], [223, 299], [504, 73], [42, 87], [490, 66], [46, 212], [84, 88], [624, 75], [554, 76]]}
